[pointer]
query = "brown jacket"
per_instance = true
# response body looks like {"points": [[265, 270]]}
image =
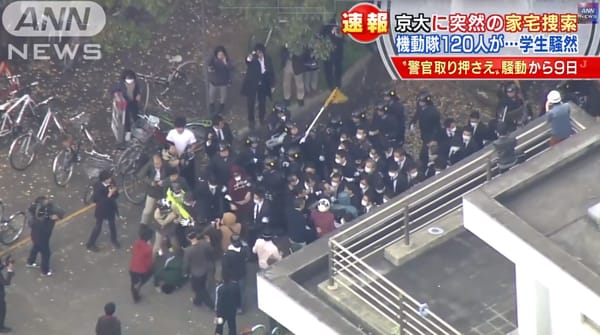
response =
{"points": [[229, 227]]}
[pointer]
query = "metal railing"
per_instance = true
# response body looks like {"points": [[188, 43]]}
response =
{"points": [[349, 249]]}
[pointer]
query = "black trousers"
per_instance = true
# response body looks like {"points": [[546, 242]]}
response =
{"points": [[43, 248], [260, 95], [131, 114], [201, 295], [333, 72], [98, 228], [231, 325], [137, 281], [188, 172], [2, 311]]}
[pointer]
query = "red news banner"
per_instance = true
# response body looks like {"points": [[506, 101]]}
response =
{"points": [[366, 23], [487, 67]]}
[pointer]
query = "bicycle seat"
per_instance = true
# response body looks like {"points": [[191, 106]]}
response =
{"points": [[175, 59]]}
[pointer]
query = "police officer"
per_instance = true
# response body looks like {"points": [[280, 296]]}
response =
{"points": [[427, 117], [293, 161], [220, 164], [252, 156], [359, 119], [511, 107], [278, 118], [274, 182], [43, 216], [363, 145], [396, 108], [388, 124]]}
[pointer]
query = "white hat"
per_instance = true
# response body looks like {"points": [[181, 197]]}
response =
{"points": [[554, 97], [323, 205]]}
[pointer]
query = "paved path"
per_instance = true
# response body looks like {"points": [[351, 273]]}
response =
{"points": [[70, 301]]}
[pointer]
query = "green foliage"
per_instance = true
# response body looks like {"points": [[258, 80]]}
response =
{"points": [[294, 22], [122, 32]]}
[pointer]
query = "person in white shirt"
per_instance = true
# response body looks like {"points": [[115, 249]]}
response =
{"points": [[185, 145], [266, 250]]}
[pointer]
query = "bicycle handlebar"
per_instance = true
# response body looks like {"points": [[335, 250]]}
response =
{"points": [[78, 116], [35, 83], [46, 101], [14, 76]]}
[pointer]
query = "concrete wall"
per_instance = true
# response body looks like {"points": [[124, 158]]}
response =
{"points": [[549, 300], [280, 306]]}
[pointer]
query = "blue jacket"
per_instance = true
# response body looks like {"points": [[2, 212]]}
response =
{"points": [[559, 118]]}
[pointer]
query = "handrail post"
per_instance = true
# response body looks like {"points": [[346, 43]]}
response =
{"points": [[488, 170], [331, 281], [401, 314], [406, 226]]}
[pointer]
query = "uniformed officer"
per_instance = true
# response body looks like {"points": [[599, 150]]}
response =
{"points": [[274, 182], [293, 161], [427, 117], [251, 157], [396, 108]]}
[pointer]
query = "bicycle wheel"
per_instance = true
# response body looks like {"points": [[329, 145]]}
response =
{"points": [[6, 129], [134, 188], [62, 167], [13, 228], [129, 159], [185, 72], [22, 151], [259, 330], [88, 194]]}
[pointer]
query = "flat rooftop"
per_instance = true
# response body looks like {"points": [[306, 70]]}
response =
{"points": [[544, 203], [556, 206]]}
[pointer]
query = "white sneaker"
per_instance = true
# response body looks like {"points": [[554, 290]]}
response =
{"points": [[47, 274], [33, 265]]}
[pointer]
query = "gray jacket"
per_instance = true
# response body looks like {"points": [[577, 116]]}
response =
{"points": [[505, 151], [197, 259], [559, 118]]}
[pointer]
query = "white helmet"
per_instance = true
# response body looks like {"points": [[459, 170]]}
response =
{"points": [[164, 204], [554, 97], [323, 205]]}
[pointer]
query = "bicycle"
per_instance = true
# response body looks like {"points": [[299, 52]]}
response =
{"points": [[10, 126], [96, 163], [25, 146], [179, 73], [11, 82], [14, 224], [261, 329]]}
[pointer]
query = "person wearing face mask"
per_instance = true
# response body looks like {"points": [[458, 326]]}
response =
{"points": [[335, 186], [220, 165], [213, 197], [220, 73], [261, 216], [363, 145], [402, 159], [128, 90], [366, 188], [468, 146], [372, 172], [347, 169], [366, 204], [293, 190], [322, 217], [414, 177], [481, 132], [448, 137], [433, 162], [217, 134], [381, 164], [310, 190], [397, 181], [240, 190]]}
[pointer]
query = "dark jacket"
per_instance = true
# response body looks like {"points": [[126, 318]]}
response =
{"points": [[254, 77], [108, 325], [262, 216], [220, 74], [148, 174], [297, 225], [297, 61], [505, 151], [227, 299], [428, 119], [41, 228], [198, 259], [5, 281], [234, 263], [213, 140], [220, 167], [106, 208]]}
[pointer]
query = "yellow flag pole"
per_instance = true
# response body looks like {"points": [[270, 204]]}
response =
{"points": [[314, 121]]}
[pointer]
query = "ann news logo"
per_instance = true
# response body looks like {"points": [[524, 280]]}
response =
{"points": [[365, 22], [54, 20], [587, 12]]}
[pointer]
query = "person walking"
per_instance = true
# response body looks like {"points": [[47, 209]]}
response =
{"points": [[8, 264], [155, 175], [198, 263], [227, 302], [234, 267], [141, 265], [43, 218], [108, 324], [293, 70], [220, 72], [259, 83], [105, 197]]}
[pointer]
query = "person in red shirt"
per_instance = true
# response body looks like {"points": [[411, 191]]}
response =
{"points": [[240, 190], [322, 218], [140, 268]]}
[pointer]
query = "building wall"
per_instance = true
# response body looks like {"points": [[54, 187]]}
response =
{"points": [[545, 293], [278, 305]]}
